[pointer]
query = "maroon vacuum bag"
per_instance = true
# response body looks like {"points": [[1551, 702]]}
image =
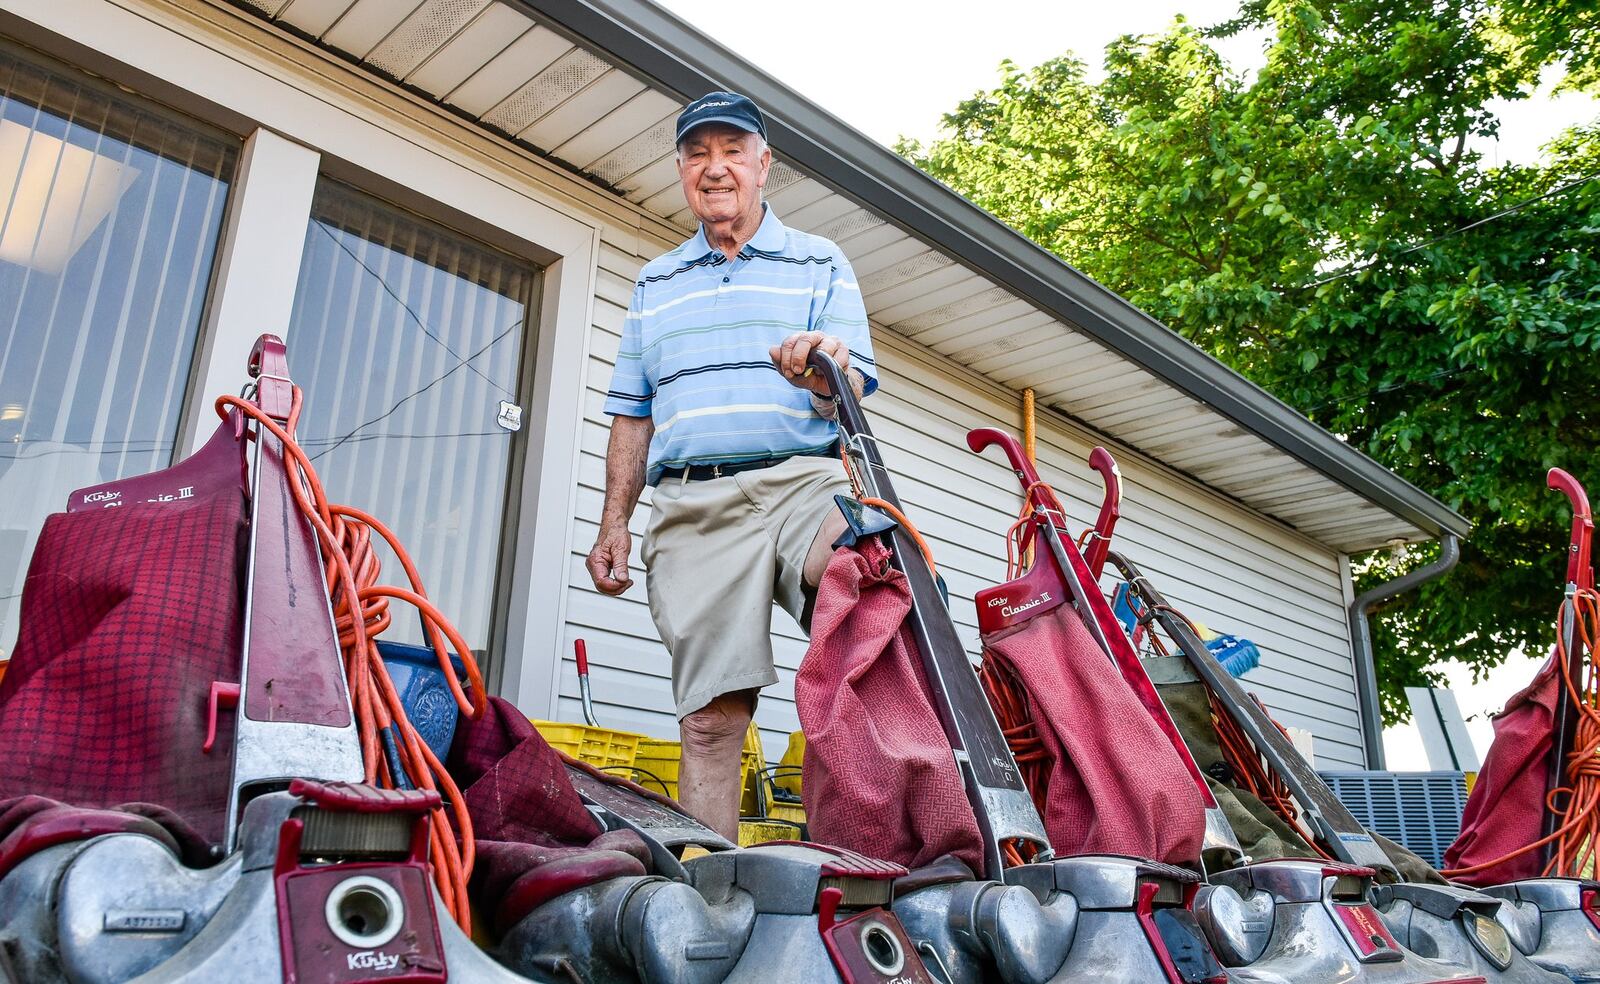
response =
{"points": [[878, 774], [1116, 786], [128, 616], [1506, 808], [535, 838]]}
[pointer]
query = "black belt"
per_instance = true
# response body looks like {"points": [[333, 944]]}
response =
{"points": [[701, 473]]}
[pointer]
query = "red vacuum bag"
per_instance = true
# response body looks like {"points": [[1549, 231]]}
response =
{"points": [[1116, 786], [878, 774], [1506, 808], [128, 616]]}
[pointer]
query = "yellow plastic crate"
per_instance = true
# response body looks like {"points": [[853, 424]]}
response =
{"points": [[752, 763], [753, 832], [791, 812], [793, 757], [604, 748], [657, 760], [655, 765]]}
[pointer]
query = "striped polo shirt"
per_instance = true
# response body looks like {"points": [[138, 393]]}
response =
{"points": [[694, 354]]}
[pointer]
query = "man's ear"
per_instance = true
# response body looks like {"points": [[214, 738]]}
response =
{"points": [[766, 165]]}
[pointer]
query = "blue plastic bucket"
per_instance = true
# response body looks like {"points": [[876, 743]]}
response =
{"points": [[424, 692]]}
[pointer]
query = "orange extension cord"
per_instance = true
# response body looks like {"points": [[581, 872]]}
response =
{"points": [[361, 613], [1254, 774], [1576, 804]]}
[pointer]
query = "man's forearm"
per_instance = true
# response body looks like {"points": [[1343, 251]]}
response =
{"points": [[626, 455]]}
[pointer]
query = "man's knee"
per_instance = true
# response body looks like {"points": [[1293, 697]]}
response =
{"points": [[721, 723], [832, 527]]}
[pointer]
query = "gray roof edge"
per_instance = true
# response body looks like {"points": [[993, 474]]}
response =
{"points": [[669, 53]]}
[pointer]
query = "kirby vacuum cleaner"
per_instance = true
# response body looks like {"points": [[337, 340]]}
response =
{"points": [[1556, 920], [1266, 921], [1259, 916], [321, 878], [325, 879]]}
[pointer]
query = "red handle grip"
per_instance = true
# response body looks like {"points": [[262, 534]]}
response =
{"points": [[1580, 569], [1110, 509], [582, 652], [1563, 482], [985, 437]]}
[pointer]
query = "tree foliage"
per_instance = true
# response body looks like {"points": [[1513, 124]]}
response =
{"points": [[1324, 225]]}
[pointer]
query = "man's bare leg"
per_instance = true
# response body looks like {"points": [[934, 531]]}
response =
{"points": [[822, 547], [708, 779]]}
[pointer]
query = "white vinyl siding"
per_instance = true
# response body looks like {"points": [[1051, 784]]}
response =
{"points": [[1225, 565]]}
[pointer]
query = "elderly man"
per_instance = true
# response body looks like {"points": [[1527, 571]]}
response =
{"points": [[711, 405]]}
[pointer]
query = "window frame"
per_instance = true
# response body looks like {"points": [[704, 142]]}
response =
{"points": [[304, 111]]}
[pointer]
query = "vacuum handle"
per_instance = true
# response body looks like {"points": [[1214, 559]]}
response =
{"points": [[851, 420], [1110, 510], [984, 437], [993, 784], [1580, 572]]}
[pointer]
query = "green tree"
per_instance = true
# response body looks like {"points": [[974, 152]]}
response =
{"points": [[1324, 226]]}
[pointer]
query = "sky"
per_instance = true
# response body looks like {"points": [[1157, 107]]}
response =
{"points": [[891, 68]]}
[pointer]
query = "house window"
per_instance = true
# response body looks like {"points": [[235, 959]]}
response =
{"points": [[408, 340], [110, 211]]}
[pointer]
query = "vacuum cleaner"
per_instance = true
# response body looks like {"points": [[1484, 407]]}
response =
{"points": [[1103, 918], [1552, 913], [1379, 923], [1266, 920], [321, 878]]}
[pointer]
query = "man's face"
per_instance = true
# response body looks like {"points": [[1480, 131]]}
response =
{"points": [[723, 170]]}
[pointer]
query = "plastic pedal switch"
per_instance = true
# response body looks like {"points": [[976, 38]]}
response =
{"points": [[221, 695], [355, 797]]}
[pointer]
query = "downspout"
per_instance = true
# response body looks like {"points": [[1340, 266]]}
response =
{"points": [[1361, 642]]}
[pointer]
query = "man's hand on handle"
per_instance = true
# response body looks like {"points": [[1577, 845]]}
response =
{"points": [[608, 561], [790, 358]]}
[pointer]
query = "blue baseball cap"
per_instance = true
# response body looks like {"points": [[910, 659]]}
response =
{"points": [[721, 107]]}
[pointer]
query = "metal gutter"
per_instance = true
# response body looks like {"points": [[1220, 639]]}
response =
{"points": [[671, 55], [1361, 642]]}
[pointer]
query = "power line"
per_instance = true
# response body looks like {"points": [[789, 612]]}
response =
{"points": [[1349, 271], [1394, 387], [111, 447], [392, 436]]}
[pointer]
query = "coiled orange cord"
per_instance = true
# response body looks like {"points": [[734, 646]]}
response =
{"points": [[1577, 803], [1253, 774], [361, 613]]}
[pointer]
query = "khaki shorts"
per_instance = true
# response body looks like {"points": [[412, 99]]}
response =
{"points": [[717, 554]]}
